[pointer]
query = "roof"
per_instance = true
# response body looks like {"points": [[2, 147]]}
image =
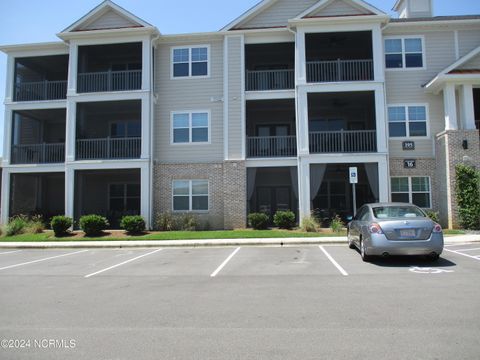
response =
{"points": [[465, 71], [436, 18]]}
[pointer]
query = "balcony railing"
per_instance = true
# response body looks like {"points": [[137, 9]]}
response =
{"points": [[109, 81], [108, 148], [355, 141], [339, 70], [270, 80], [40, 90], [271, 146], [38, 153]]}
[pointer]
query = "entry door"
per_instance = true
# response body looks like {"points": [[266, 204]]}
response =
{"points": [[273, 199]]}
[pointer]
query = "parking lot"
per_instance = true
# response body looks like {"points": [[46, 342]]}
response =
{"points": [[311, 302]]}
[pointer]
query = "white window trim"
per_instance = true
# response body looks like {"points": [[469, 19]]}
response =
{"points": [[190, 142], [410, 192], [404, 68], [190, 62], [190, 197], [407, 122]]}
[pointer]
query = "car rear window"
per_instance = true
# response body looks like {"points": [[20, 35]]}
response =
{"points": [[395, 212]]}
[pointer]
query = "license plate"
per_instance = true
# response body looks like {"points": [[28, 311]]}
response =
{"points": [[407, 233]]}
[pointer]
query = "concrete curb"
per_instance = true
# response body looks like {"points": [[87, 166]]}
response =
{"points": [[451, 240]]}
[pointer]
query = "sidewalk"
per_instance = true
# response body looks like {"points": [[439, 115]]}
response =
{"points": [[457, 239]]}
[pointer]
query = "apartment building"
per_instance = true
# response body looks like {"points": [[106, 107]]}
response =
{"points": [[267, 114]]}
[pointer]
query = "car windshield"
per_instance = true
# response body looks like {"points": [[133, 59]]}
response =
{"points": [[392, 212]]}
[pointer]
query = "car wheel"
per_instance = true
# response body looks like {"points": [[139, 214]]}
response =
{"points": [[351, 245], [363, 253], [433, 258]]}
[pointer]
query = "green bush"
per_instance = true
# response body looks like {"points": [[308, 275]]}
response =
{"points": [[433, 215], [16, 225], [133, 224], [60, 225], [468, 196], [284, 219], [35, 225], [93, 225], [258, 221], [337, 224], [309, 224], [166, 222]]}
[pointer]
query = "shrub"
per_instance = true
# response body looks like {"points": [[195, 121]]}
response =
{"points": [[166, 222], [258, 221], [16, 225], [35, 225], [336, 224], [433, 215], [468, 196], [187, 222], [133, 224], [284, 219], [309, 224], [60, 225], [93, 225]]}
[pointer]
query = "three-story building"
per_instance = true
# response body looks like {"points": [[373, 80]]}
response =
{"points": [[267, 114]]}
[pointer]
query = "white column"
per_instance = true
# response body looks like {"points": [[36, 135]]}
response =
{"points": [[302, 122], [378, 57], [10, 79], [468, 109], [145, 194], [72, 69], [69, 191], [5, 203], [380, 114], [383, 180], [450, 105], [7, 137], [146, 61], [300, 58], [71, 122], [303, 188], [146, 126]]}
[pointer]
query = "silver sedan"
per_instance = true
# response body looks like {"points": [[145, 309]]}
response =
{"points": [[394, 229]]}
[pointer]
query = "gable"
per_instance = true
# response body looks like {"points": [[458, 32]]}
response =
{"points": [[339, 8], [277, 14], [109, 20]]}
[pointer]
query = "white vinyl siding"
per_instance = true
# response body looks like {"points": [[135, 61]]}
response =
{"points": [[235, 78], [339, 8], [110, 20], [190, 195], [415, 190]]}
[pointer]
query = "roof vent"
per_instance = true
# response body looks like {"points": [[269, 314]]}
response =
{"points": [[408, 9]]}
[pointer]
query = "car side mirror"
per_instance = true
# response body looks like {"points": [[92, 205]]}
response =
{"points": [[349, 218]]}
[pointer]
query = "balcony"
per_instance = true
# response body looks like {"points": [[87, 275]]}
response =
{"points": [[111, 67], [41, 78], [339, 57], [339, 70], [108, 148], [357, 141], [270, 67], [271, 146], [38, 136]]}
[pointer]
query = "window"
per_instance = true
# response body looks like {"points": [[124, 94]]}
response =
{"points": [[190, 62], [124, 198], [190, 195], [415, 190], [407, 121], [123, 129], [404, 53], [190, 127]]}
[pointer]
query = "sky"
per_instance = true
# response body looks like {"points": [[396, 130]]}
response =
{"points": [[31, 21]]}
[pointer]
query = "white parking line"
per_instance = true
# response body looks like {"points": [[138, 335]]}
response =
{"points": [[459, 253], [10, 252], [39, 260], [215, 273], [337, 265], [122, 263], [473, 249]]}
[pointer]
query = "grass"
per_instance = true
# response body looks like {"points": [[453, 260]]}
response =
{"points": [[176, 235]]}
